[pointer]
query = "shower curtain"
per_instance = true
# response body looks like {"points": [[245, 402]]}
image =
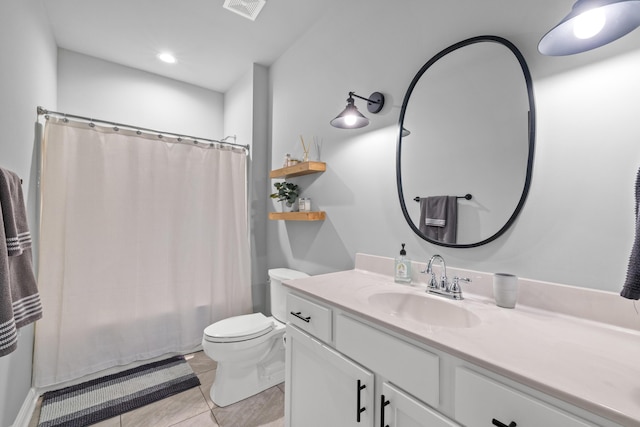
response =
{"points": [[144, 242]]}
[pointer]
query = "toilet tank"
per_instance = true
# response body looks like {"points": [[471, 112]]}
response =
{"points": [[278, 292]]}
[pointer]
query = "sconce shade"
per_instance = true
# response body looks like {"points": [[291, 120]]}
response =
{"points": [[351, 118], [591, 24]]}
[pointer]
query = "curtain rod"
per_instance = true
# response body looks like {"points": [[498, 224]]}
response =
{"points": [[46, 113]]}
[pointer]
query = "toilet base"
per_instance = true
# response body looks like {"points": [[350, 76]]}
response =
{"points": [[235, 382]]}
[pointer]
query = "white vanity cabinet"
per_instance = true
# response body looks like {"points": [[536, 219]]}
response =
{"points": [[324, 388], [327, 386], [406, 383]]}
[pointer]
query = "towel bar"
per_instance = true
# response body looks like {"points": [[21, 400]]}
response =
{"points": [[466, 197]]}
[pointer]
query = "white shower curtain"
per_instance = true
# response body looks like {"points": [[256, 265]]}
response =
{"points": [[144, 242]]}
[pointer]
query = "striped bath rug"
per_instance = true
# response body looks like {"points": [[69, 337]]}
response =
{"points": [[103, 398]]}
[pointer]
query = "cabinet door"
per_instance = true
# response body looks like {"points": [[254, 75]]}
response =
{"points": [[398, 409], [324, 388]]}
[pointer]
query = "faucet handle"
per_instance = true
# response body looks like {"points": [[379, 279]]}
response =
{"points": [[455, 286], [433, 283]]}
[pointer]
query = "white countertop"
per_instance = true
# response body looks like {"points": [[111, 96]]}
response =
{"points": [[592, 365]]}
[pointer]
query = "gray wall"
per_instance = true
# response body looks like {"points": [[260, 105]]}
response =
{"points": [[28, 79], [577, 225], [245, 115]]}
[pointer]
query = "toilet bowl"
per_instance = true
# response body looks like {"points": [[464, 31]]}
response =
{"points": [[249, 349], [250, 356]]}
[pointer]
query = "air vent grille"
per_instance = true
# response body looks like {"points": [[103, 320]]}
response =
{"points": [[247, 8]]}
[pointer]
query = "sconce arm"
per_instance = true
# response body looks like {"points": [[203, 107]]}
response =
{"points": [[375, 102]]}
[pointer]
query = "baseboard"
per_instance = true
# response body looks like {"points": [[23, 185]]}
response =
{"points": [[26, 411]]}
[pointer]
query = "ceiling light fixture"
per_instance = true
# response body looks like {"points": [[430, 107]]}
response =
{"points": [[591, 24], [351, 118], [167, 57]]}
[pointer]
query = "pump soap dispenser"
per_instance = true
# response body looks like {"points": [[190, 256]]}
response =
{"points": [[403, 267]]}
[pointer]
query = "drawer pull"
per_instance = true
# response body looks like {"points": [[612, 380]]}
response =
{"points": [[298, 315], [499, 424], [359, 409], [383, 403]]}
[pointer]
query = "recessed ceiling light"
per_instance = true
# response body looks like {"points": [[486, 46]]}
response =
{"points": [[167, 57]]}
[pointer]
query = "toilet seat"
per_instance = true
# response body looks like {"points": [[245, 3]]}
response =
{"points": [[239, 328]]}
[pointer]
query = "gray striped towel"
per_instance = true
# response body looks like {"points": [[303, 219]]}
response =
{"points": [[631, 287], [19, 298]]}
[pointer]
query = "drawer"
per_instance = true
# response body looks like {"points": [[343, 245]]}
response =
{"points": [[411, 368], [309, 316], [479, 400]]}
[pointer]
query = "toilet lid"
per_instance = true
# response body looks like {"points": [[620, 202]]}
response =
{"points": [[239, 328]]}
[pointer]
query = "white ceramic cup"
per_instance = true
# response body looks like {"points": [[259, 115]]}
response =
{"points": [[505, 289]]}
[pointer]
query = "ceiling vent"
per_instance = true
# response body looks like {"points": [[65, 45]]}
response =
{"points": [[247, 8]]}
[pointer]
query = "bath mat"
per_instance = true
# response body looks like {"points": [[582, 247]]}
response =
{"points": [[103, 398]]}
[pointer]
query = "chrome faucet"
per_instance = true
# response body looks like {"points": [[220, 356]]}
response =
{"points": [[442, 287]]}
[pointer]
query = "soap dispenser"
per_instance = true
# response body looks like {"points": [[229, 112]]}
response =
{"points": [[402, 272]]}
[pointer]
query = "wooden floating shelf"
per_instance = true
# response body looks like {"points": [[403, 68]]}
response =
{"points": [[298, 216], [299, 169]]}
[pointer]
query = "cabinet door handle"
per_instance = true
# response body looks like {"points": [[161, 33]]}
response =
{"points": [[383, 403], [298, 315], [499, 424], [360, 410]]}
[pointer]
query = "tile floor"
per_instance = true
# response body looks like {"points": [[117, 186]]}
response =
{"points": [[194, 408]]}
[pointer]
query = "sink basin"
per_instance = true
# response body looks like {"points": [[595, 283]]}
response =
{"points": [[428, 310]]}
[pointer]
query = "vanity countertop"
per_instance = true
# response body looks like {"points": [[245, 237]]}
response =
{"points": [[592, 365]]}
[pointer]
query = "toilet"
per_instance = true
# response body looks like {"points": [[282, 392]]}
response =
{"points": [[249, 349]]}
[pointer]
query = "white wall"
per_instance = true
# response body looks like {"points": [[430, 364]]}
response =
{"points": [[91, 87], [245, 115], [28, 79], [577, 225]]}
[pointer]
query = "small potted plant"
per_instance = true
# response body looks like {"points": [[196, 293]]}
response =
{"points": [[286, 192]]}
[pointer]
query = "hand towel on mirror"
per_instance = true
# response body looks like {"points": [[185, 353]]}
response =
{"points": [[19, 298], [439, 218], [631, 287]]}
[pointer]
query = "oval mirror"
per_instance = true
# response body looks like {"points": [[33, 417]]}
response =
{"points": [[466, 140]]}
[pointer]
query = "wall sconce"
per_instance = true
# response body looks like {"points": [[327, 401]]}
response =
{"points": [[591, 24], [351, 118]]}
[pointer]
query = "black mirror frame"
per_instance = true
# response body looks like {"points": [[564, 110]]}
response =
{"points": [[531, 131]]}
